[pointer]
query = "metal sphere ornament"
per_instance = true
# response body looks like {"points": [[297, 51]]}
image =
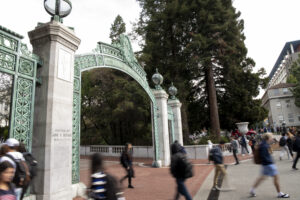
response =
{"points": [[58, 9], [172, 91], [157, 79]]}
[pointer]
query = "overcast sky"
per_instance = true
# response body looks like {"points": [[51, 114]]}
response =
{"points": [[268, 23]]}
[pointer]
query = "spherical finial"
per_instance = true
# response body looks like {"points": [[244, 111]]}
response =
{"points": [[172, 91], [58, 9], [157, 79]]}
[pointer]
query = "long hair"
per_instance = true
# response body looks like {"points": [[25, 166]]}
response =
{"points": [[3, 149], [97, 162]]}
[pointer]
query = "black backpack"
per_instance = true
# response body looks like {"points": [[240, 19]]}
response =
{"points": [[22, 174], [31, 163], [282, 141]]}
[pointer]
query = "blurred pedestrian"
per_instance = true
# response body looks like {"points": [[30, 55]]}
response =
{"points": [[234, 147], [7, 191], [210, 146], [22, 174], [126, 161], [216, 155], [103, 185], [289, 143], [283, 146], [268, 166], [296, 148], [181, 169], [243, 142]]}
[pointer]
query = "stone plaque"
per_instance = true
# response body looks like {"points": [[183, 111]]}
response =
{"points": [[64, 65]]}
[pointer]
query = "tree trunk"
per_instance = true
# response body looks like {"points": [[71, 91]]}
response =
{"points": [[212, 102]]}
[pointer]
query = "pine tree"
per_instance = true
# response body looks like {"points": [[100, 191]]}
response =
{"points": [[117, 28], [200, 43]]}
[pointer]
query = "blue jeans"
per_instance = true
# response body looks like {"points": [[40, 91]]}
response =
{"points": [[181, 189]]}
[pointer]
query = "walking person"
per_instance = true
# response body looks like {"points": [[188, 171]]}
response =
{"points": [[289, 143], [181, 169], [126, 161], [210, 146], [103, 185], [217, 156], [268, 166], [283, 146], [234, 147], [7, 191], [22, 174], [243, 143], [296, 148]]}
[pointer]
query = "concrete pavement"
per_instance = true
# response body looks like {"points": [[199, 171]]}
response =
{"points": [[244, 175]]}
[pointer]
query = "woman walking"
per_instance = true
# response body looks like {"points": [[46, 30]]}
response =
{"points": [[6, 187]]}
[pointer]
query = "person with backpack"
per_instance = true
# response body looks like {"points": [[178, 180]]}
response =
{"points": [[126, 161], [235, 147], [181, 169], [216, 156], [283, 146], [268, 166], [103, 185], [6, 187], [22, 174], [32, 165], [296, 148]]}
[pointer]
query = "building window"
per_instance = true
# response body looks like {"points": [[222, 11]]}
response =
{"points": [[278, 104], [291, 117], [285, 90], [276, 92], [280, 118]]}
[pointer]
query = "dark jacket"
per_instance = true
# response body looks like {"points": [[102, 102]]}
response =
{"points": [[297, 144], [217, 155], [180, 167], [126, 159], [266, 158]]}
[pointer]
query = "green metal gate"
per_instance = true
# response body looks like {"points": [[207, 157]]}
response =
{"points": [[120, 57], [20, 64]]}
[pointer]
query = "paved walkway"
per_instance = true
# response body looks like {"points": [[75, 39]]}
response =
{"points": [[152, 183], [243, 176]]}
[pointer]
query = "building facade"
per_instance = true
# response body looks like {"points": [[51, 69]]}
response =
{"points": [[278, 98]]}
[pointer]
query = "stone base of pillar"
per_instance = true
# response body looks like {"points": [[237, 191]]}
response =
{"points": [[157, 164]]}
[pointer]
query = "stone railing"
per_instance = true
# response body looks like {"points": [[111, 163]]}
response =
{"points": [[193, 151]]}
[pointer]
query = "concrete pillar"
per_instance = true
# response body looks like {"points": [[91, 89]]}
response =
{"points": [[52, 133], [176, 105], [161, 98]]}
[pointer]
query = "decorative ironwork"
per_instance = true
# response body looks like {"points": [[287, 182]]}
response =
{"points": [[118, 56], [26, 67], [21, 64], [7, 60]]}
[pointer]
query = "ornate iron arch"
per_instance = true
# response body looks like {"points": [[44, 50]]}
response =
{"points": [[117, 56]]}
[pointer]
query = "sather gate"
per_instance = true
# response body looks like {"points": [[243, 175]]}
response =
{"points": [[118, 56]]}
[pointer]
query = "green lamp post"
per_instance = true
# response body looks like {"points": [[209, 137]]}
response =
{"points": [[58, 9], [157, 79], [172, 91]]}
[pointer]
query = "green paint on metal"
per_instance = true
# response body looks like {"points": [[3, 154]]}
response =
{"points": [[117, 56], [21, 64]]}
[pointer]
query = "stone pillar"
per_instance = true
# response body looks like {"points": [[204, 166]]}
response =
{"points": [[52, 132], [161, 98], [176, 105]]}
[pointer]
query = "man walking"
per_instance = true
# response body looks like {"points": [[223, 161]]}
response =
{"points": [[296, 147], [268, 166], [126, 161], [244, 145], [181, 169], [234, 146]]}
